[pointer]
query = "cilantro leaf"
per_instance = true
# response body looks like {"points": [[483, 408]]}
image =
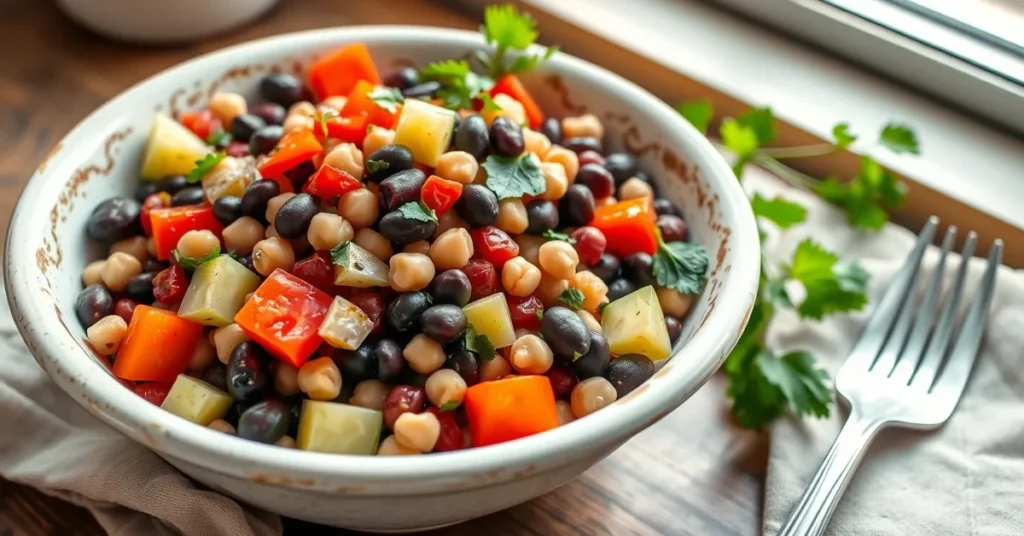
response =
{"points": [[739, 139], [681, 266], [460, 85], [803, 384], [699, 113], [419, 211], [489, 104], [387, 98], [322, 118], [340, 253], [373, 166], [505, 26], [844, 138], [781, 212], [219, 139], [446, 69], [899, 139], [191, 263], [510, 176], [755, 400], [572, 297], [761, 122], [601, 306], [832, 285], [450, 405], [204, 166], [479, 344], [553, 235], [526, 62], [868, 197]]}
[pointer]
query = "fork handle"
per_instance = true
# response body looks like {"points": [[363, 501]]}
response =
{"points": [[812, 513]]}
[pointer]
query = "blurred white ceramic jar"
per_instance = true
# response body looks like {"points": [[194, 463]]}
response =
{"points": [[163, 21]]}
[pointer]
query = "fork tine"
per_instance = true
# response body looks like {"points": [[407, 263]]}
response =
{"points": [[953, 377], [925, 320], [873, 338]]}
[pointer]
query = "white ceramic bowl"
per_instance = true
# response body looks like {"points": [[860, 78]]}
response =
{"points": [[46, 252]]}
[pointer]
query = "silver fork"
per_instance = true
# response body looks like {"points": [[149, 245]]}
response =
{"points": [[908, 369]]}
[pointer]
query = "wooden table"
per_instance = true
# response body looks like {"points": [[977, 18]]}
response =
{"points": [[692, 473]]}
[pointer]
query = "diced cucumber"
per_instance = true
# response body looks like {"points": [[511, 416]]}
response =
{"points": [[634, 324], [217, 292], [490, 316], [196, 400], [171, 149], [338, 428], [346, 325], [356, 267], [425, 129]]}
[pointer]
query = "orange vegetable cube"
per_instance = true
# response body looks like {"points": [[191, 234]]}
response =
{"points": [[158, 346], [510, 408]]}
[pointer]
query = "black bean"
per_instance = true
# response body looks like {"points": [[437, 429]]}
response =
{"points": [[565, 333], [506, 137], [270, 112], [247, 375], [577, 206], [673, 228], [140, 287], [92, 304], [243, 126], [227, 209], [173, 184], [607, 267], [265, 422], [357, 365], [619, 288], [578, 145], [145, 189], [294, 404], [663, 206], [541, 215], [193, 195], [403, 78], [552, 128], [114, 219], [674, 327], [217, 376], [293, 218], [424, 90], [637, 268], [404, 311], [598, 179], [390, 361], [256, 196], [265, 139], [595, 361], [628, 371], [396, 157], [153, 265], [401, 230], [472, 137], [465, 363], [281, 88], [300, 174], [451, 286], [477, 205], [444, 323], [401, 188], [622, 166]]}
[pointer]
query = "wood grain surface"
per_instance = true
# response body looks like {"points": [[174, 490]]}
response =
{"points": [[692, 473]]}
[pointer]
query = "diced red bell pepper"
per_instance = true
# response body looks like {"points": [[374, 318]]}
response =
{"points": [[152, 201], [359, 103], [170, 224], [339, 72], [510, 408], [295, 148], [511, 85], [494, 245], [330, 182], [202, 123], [440, 194], [158, 346], [284, 316], [629, 226], [347, 129]]}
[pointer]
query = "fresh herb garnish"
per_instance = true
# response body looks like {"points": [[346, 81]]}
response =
{"points": [[781, 212], [489, 104], [219, 139], [540, 314], [576, 355], [479, 344], [831, 285], [601, 307], [509, 30], [899, 139], [450, 405], [510, 176], [204, 166], [322, 118], [842, 135], [339, 253], [419, 211], [387, 98], [699, 113], [460, 85], [572, 298], [374, 166], [191, 263], [681, 266], [554, 235]]}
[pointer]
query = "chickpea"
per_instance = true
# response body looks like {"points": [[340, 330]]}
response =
{"points": [[359, 207], [376, 138], [452, 249], [286, 379], [107, 334], [458, 166], [495, 369], [536, 143], [565, 415], [335, 103], [227, 106], [570, 162], [328, 230], [134, 246], [445, 386], [346, 157], [549, 289], [221, 425], [203, 355], [531, 355], [298, 122], [242, 235], [555, 181], [423, 354], [226, 339], [674, 303], [590, 321], [274, 205], [197, 244], [410, 271], [634, 188], [558, 259], [529, 247], [417, 430], [93, 272], [519, 277], [584, 126], [369, 394], [375, 243], [508, 107], [512, 216], [272, 253], [302, 108], [119, 269], [320, 379], [610, 200], [287, 442], [591, 395], [594, 290], [390, 446], [422, 247], [450, 220]]}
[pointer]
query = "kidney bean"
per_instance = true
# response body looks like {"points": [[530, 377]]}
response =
{"points": [[403, 399], [450, 437], [590, 244], [672, 227], [270, 112], [265, 422], [598, 179], [401, 188], [169, 285], [562, 379], [483, 278]]}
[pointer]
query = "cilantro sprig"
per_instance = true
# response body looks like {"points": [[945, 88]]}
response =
{"points": [[419, 211], [479, 344], [572, 298], [204, 166], [681, 266], [512, 176], [551, 234]]}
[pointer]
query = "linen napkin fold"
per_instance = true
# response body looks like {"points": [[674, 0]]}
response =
{"points": [[967, 478]]}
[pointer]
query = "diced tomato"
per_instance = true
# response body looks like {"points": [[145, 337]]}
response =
{"points": [[154, 392], [295, 148], [347, 129], [158, 346], [202, 123], [170, 224], [170, 284], [337, 73], [359, 103], [316, 270], [494, 245], [525, 312], [511, 85], [330, 182], [482, 278], [284, 315], [629, 226], [450, 437], [157, 200], [440, 194], [510, 408]]}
